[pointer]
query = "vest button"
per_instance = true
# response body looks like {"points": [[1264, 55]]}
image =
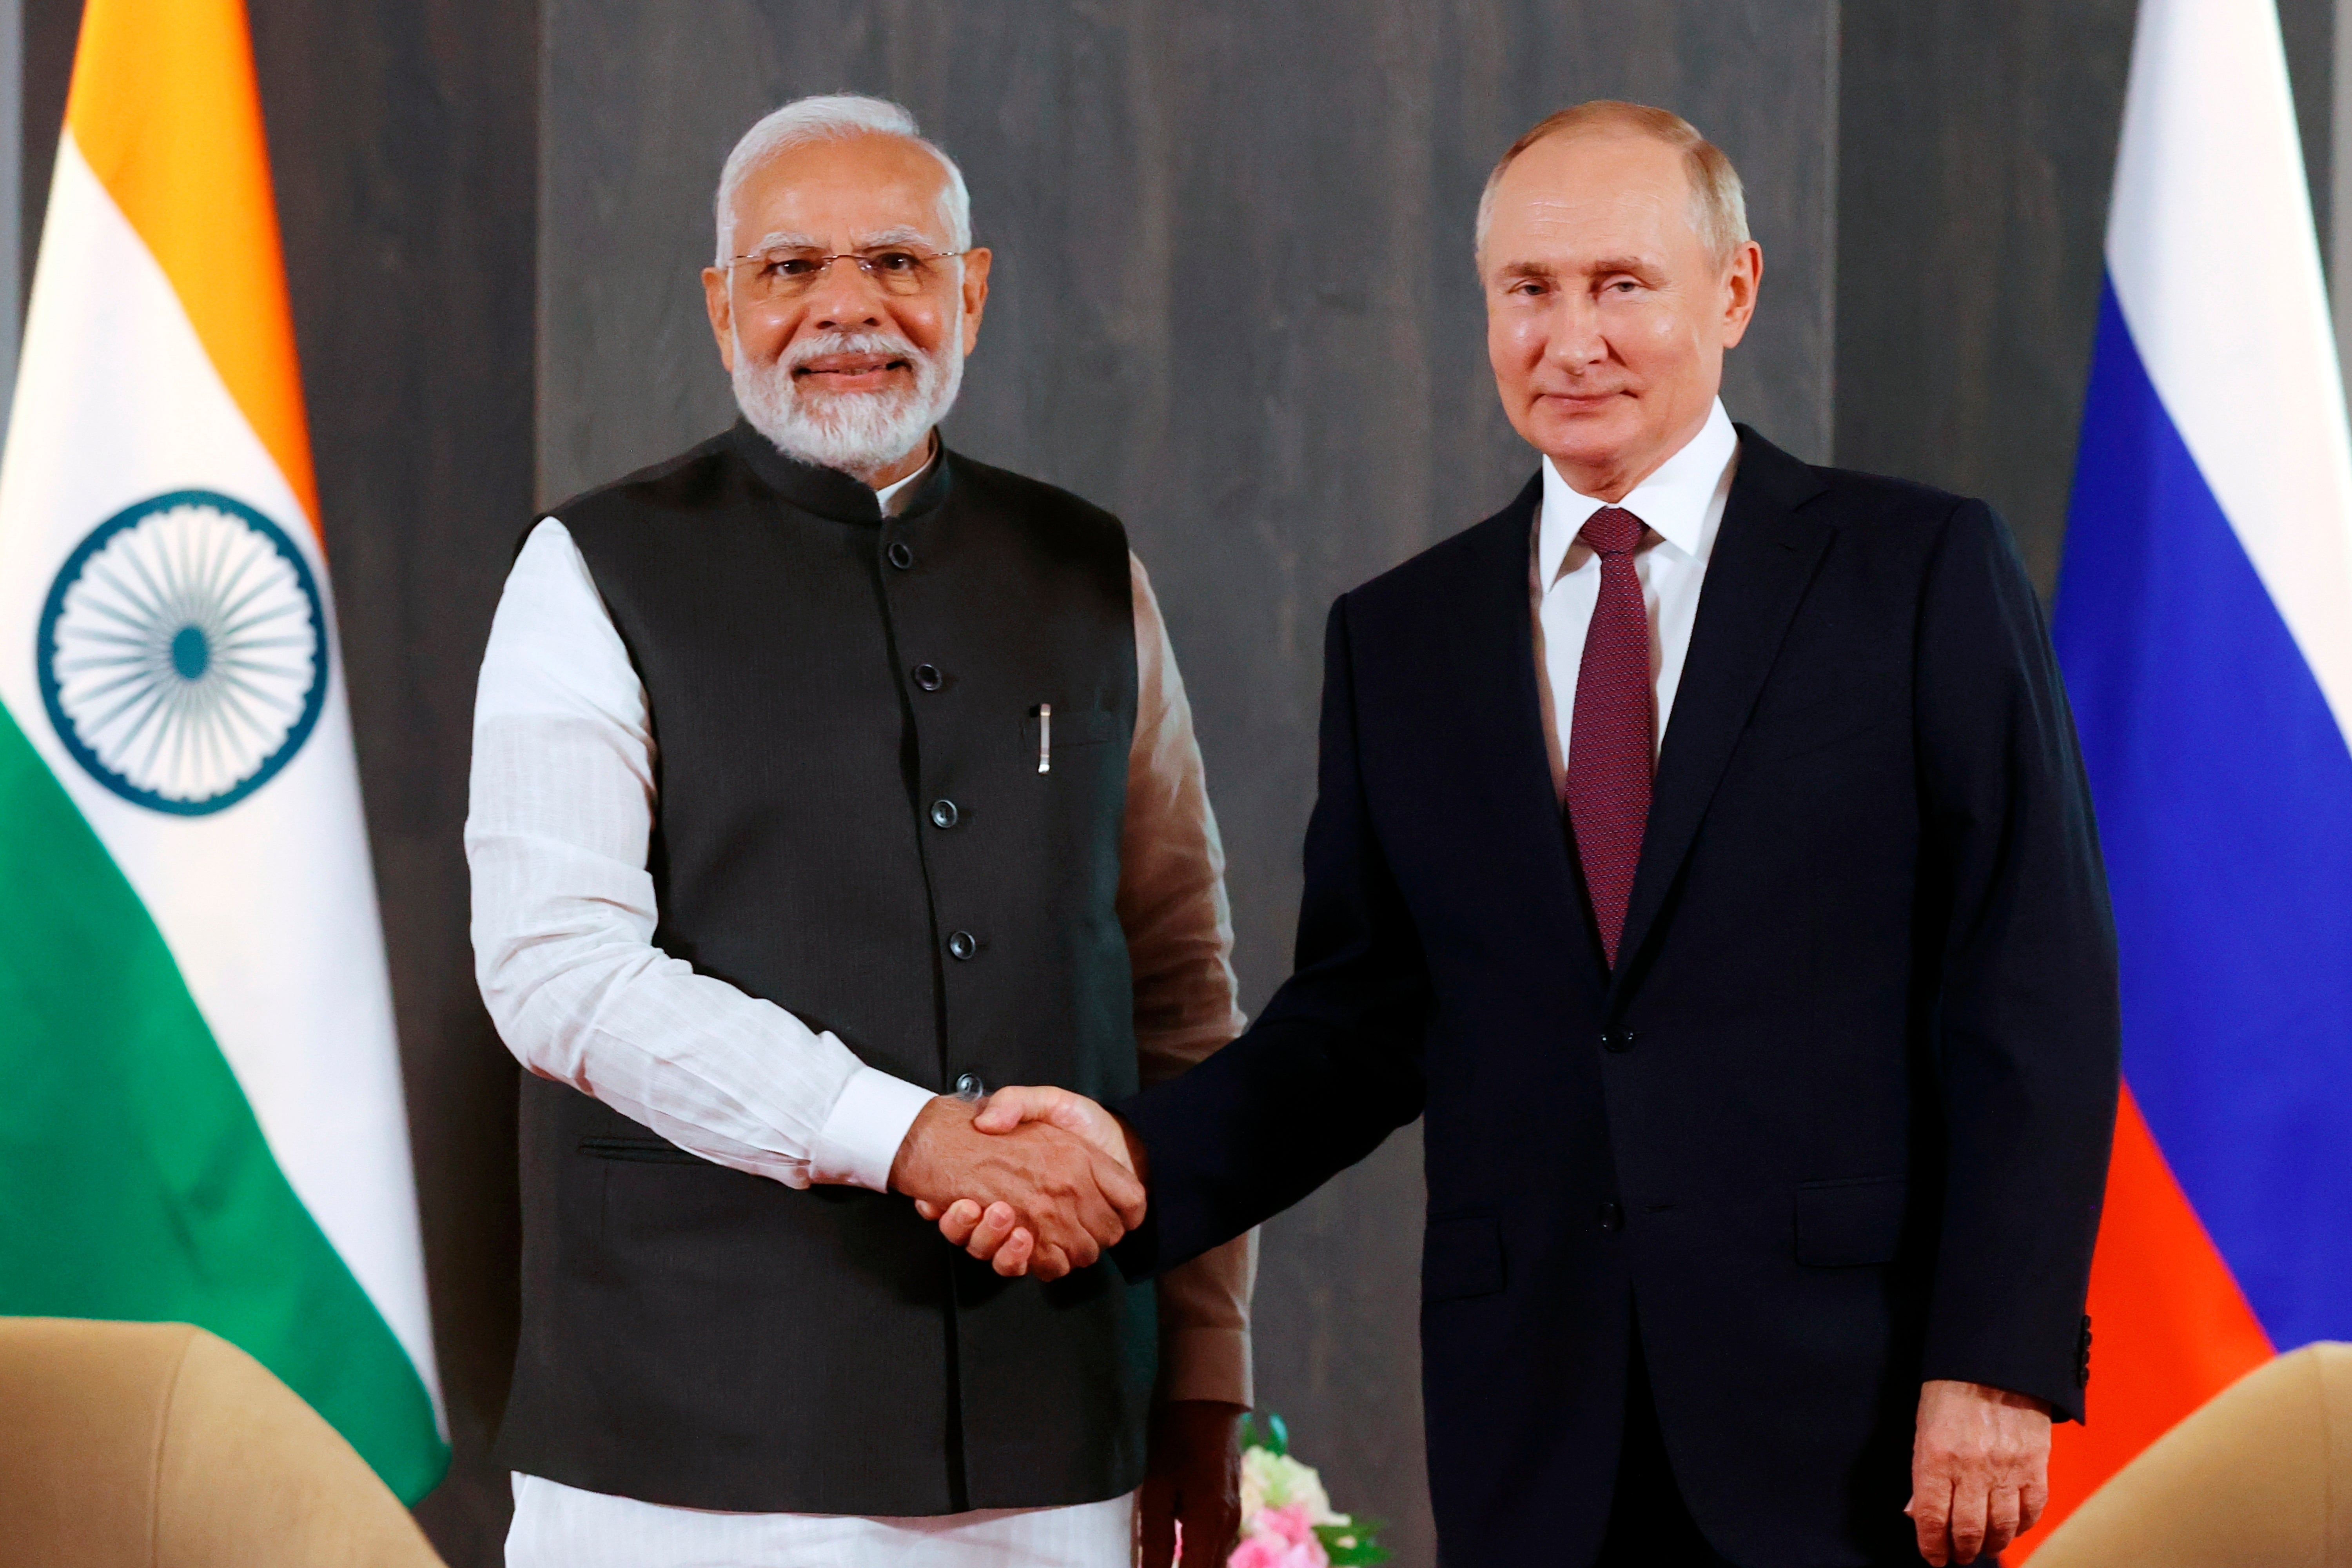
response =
{"points": [[899, 555], [1617, 1039], [929, 677], [969, 1087], [1613, 1216], [962, 946], [944, 813]]}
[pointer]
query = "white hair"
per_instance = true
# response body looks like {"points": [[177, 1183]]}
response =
{"points": [[833, 117]]}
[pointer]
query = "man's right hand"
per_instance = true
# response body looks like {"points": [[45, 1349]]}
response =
{"points": [[1061, 1198], [995, 1231]]}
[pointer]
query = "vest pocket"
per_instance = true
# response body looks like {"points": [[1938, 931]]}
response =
{"points": [[1462, 1257], [653, 1150], [1847, 1224], [1074, 728]]}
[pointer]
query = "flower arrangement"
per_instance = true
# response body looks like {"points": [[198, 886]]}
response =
{"points": [[1287, 1517]]}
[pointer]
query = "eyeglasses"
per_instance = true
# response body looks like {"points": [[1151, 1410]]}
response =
{"points": [[787, 273]]}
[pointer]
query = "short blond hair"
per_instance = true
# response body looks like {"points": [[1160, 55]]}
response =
{"points": [[1719, 206]]}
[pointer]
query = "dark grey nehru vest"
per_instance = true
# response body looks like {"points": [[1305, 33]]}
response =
{"points": [[852, 824]]}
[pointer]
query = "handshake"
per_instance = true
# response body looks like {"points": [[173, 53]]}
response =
{"points": [[1032, 1180]]}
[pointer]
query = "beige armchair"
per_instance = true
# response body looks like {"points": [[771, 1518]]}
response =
{"points": [[159, 1445], [2261, 1477]]}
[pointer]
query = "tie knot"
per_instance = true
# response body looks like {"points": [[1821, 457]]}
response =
{"points": [[1612, 531]]}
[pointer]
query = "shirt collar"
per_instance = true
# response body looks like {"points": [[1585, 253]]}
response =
{"points": [[1681, 503], [889, 493]]}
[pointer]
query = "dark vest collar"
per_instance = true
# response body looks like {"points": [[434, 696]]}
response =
{"points": [[828, 492]]}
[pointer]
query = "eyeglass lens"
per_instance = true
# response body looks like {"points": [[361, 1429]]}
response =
{"points": [[781, 274]]}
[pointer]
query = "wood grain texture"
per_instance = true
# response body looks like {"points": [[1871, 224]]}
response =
{"points": [[1235, 303], [1976, 155], [403, 137], [2307, 28], [1978, 149], [51, 28]]}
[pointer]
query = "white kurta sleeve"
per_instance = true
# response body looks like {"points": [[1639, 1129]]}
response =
{"points": [[561, 812], [1179, 941]]}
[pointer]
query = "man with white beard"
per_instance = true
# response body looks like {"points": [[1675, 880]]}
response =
{"points": [[823, 778]]}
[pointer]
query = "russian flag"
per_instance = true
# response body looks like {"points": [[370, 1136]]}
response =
{"points": [[2204, 622]]}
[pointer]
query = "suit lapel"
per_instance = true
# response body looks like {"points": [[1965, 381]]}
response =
{"points": [[1764, 557], [1507, 757]]}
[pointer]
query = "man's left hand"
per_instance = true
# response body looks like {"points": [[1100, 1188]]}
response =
{"points": [[1979, 1469], [1192, 1475], [992, 1232]]}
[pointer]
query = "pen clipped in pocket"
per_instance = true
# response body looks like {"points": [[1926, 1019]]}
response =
{"points": [[1052, 729]]}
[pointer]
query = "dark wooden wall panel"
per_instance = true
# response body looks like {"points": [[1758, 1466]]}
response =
{"points": [[1234, 302], [1977, 148], [1979, 144], [2308, 29], [404, 134], [50, 28]]}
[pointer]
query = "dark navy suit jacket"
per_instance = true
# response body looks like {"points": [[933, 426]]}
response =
{"points": [[1839, 1121]]}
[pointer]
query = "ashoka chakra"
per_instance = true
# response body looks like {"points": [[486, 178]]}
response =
{"points": [[183, 652]]}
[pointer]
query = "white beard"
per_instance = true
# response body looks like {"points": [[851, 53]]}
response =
{"points": [[859, 433]]}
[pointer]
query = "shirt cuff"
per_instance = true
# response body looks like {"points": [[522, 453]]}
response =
{"points": [[859, 1141], [1206, 1364]]}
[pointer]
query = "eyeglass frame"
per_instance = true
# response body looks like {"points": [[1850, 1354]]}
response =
{"points": [[855, 257]]}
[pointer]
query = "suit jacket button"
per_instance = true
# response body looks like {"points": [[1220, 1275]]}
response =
{"points": [[1617, 1039], [962, 945], [944, 813], [1613, 1216], [929, 677], [901, 555], [969, 1087]]}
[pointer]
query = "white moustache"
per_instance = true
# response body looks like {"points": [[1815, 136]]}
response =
{"points": [[864, 345]]}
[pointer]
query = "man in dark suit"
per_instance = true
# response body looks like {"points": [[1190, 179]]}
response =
{"points": [[1702, 848]]}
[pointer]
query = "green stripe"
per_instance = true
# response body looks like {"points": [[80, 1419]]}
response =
{"points": [[134, 1181]]}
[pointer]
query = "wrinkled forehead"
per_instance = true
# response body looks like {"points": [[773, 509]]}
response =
{"points": [[1610, 191], [846, 193]]}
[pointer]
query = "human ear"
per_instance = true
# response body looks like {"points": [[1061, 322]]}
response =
{"points": [[976, 263], [1741, 280], [715, 299]]}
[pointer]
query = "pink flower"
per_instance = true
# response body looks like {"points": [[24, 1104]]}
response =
{"points": [[1280, 1537], [1264, 1552], [1289, 1524]]}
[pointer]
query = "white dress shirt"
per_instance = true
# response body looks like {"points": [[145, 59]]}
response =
{"points": [[1681, 508], [556, 837]]}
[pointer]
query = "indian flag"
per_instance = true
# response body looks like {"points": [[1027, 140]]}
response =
{"points": [[204, 1120]]}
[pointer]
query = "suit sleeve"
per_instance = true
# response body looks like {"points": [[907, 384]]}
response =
{"points": [[1331, 1066], [2027, 1033]]}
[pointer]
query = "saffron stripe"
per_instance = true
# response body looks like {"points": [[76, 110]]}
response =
{"points": [[166, 108]]}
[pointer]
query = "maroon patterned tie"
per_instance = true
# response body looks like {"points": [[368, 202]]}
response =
{"points": [[1612, 739]]}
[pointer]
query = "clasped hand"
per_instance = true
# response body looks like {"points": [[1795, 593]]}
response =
{"points": [[1037, 1181]]}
